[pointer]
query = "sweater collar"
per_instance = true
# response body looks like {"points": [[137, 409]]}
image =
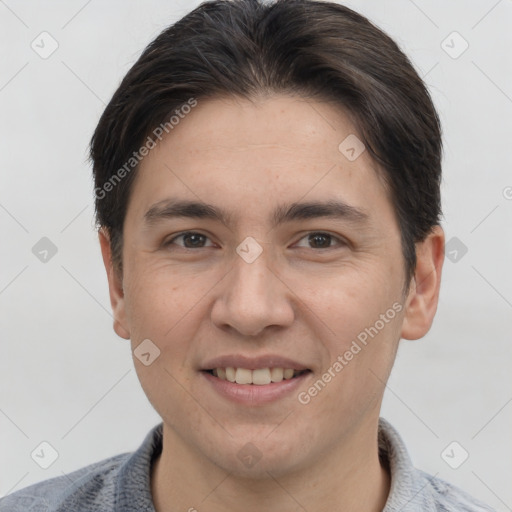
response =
{"points": [[409, 487]]}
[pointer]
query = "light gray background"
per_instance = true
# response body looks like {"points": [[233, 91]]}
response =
{"points": [[67, 379]]}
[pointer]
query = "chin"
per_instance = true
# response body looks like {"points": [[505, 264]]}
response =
{"points": [[259, 457]]}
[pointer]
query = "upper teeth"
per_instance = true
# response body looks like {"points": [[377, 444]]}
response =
{"points": [[261, 376]]}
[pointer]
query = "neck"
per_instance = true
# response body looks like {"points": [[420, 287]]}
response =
{"points": [[349, 478]]}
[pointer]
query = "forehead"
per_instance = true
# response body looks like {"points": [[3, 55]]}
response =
{"points": [[277, 122], [234, 152]]}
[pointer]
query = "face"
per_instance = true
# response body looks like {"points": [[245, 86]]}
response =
{"points": [[293, 274]]}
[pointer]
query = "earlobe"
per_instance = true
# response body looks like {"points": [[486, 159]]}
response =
{"points": [[115, 286], [422, 300]]}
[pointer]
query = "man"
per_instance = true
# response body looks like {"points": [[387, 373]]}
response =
{"points": [[267, 194]]}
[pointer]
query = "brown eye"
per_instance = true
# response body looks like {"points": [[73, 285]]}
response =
{"points": [[191, 240], [321, 240]]}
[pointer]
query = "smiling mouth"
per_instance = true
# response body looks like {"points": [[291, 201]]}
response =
{"points": [[258, 377]]}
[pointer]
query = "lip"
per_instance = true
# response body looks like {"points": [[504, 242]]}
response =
{"points": [[252, 394], [253, 363]]}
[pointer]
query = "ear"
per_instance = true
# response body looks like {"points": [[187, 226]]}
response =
{"points": [[423, 296], [115, 285]]}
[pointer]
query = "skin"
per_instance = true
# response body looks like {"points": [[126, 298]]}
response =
{"points": [[299, 299]]}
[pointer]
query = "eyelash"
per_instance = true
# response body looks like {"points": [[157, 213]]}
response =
{"points": [[340, 241]]}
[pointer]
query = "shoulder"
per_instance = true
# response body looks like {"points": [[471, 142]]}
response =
{"points": [[90, 486], [413, 489], [449, 498], [121, 482]]}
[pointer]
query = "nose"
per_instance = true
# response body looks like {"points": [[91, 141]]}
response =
{"points": [[253, 297]]}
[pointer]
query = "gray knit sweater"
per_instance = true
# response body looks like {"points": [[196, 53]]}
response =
{"points": [[122, 484]]}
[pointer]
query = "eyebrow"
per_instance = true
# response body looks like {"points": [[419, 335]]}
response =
{"points": [[176, 208]]}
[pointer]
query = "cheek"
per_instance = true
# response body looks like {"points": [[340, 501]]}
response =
{"points": [[163, 306], [348, 300], [360, 318], [159, 297]]}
